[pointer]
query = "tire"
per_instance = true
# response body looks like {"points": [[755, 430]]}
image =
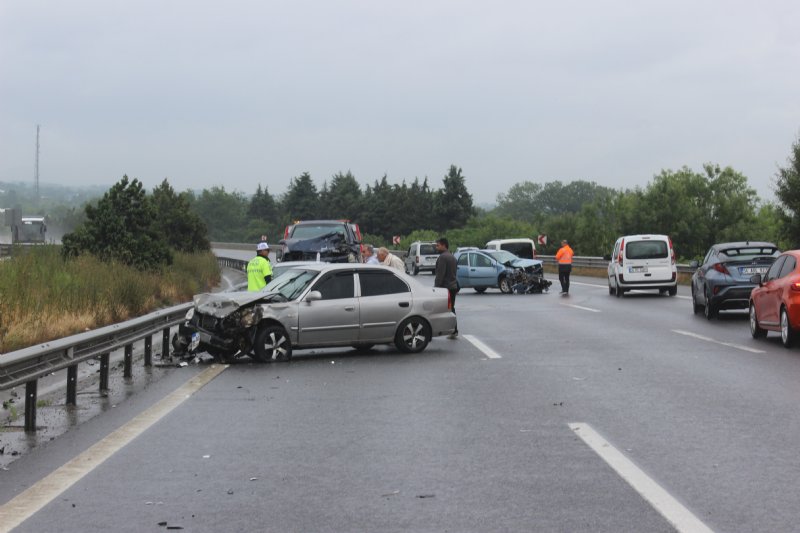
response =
{"points": [[709, 310], [672, 291], [413, 335], [611, 290], [363, 347], [788, 335], [480, 290], [755, 330], [415, 271], [662, 291], [617, 291], [505, 285], [272, 344]]}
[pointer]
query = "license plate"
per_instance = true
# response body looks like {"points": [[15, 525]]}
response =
{"points": [[195, 342], [637, 270], [754, 270]]}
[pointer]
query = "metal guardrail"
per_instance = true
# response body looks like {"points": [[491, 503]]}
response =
{"points": [[599, 262], [236, 264]]}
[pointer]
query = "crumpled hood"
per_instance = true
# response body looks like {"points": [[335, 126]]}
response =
{"points": [[331, 242], [222, 304], [524, 263]]}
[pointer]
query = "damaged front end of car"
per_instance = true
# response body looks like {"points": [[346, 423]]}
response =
{"points": [[527, 276], [330, 248]]}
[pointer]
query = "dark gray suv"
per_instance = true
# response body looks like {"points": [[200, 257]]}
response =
{"points": [[722, 281]]}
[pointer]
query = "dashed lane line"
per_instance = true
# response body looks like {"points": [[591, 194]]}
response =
{"points": [[709, 339], [681, 518], [33, 499], [582, 308], [488, 352]]}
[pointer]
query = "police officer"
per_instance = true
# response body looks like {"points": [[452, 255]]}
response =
{"points": [[259, 269]]}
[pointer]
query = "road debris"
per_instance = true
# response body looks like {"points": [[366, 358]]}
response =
{"points": [[182, 364], [390, 494], [230, 491], [424, 496], [206, 457]]}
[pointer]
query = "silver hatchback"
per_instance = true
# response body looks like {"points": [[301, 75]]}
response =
{"points": [[323, 305]]}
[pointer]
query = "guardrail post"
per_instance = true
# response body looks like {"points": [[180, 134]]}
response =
{"points": [[165, 344], [72, 385], [148, 350], [30, 405], [104, 367], [128, 372]]}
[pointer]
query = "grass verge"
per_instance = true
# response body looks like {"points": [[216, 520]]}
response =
{"points": [[43, 297]]}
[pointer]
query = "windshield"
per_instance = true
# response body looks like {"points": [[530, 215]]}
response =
{"points": [[502, 256], [312, 231], [291, 283]]}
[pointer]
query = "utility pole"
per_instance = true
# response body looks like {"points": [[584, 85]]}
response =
{"points": [[36, 167]]}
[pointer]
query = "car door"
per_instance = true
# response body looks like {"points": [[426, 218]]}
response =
{"points": [[699, 278], [462, 270], [384, 301], [612, 266], [333, 320], [768, 302], [482, 270]]}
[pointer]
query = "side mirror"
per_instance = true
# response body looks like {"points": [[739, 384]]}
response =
{"points": [[607, 257], [694, 264], [313, 296], [756, 279]]}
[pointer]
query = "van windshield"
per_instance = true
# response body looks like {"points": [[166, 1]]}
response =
{"points": [[646, 250], [520, 249]]}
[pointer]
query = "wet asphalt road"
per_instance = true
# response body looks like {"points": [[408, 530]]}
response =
{"points": [[451, 440]]}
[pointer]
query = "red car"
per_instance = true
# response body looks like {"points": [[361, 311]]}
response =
{"points": [[775, 303]]}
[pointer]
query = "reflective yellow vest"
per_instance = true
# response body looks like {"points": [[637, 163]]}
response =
{"points": [[257, 269]]}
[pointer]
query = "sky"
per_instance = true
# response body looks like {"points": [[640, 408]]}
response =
{"points": [[241, 93]]}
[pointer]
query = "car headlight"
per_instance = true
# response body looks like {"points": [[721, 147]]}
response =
{"points": [[189, 314]]}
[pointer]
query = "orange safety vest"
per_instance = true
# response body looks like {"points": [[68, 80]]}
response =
{"points": [[564, 255]]}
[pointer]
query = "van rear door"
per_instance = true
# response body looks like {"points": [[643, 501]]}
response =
{"points": [[523, 250], [647, 260]]}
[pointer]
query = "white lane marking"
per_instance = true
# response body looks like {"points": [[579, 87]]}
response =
{"points": [[636, 291], [29, 502], [709, 339], [582, 308], [681, 518], [491, 354]]}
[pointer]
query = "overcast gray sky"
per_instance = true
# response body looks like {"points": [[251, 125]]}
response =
{"points": [[240, 92]]}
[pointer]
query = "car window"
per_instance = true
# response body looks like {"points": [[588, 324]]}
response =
{"points": [[482, 261], [616, 251], [427, 249], [745, 253], [708, 256], [463, 259], [378, 283], [502, 256], [772, 273], [311, 231], [788, 266], [646, 250], [291, 283], [336, 285]]}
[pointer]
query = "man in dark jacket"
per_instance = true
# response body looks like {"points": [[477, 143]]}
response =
{"points": [[446, 274]]}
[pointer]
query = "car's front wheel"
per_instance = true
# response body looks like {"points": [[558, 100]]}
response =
{"points": [[413, 335], [788, 334], [505, 285], [272, 344], [755, 329]]}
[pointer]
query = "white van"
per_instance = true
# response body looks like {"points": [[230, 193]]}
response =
{"points": [[643, 262], [421, 256], [522, 248]]}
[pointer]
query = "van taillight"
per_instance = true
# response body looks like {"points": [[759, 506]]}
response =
{"points": [[416, 258], [621, 251], [671, 250]]}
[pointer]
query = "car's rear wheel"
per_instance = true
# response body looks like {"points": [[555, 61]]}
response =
{"points": [[480, 290], [415, 270], [272, 344], [611, 290], [696, 307], [413, 335], [709, 310], [505, 285], [617, 291], [755, 330], [672, 291], [788, 334]]}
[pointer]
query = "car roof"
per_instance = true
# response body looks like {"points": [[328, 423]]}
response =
{"points": [[645, 236], [331, 221]]}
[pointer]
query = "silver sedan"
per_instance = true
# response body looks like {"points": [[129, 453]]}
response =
{"points": [[323, 305]]}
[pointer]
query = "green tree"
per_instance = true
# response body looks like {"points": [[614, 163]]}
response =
{"points": [[787, 189], [342, 199], [224, 213], [262, 206], [453, 203], [520, 202], [301, 201], [177, 222], [121, 228]]}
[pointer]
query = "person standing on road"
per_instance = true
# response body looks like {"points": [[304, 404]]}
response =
{"points": [[369, 255], [259, 269], [446, 268], [564, 258], [390, 260]]}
